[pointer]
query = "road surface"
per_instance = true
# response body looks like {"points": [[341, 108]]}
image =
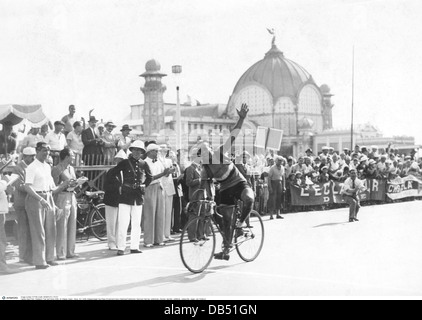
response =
{"points": [[308, 254]]}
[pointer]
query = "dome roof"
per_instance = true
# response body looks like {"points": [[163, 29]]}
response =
{"points": [[152, 67], [281, 76]]}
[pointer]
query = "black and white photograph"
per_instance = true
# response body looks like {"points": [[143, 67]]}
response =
{"points": [[235, 151]]}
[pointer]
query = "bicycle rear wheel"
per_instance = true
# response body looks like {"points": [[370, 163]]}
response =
{"points": [[97, 222], [197, 244], [249, 240]]}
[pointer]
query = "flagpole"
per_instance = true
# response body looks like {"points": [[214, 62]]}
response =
{"points": [[353, 90]]}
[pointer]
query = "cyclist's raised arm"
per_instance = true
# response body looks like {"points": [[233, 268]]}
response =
{"points": [[236, 129]]}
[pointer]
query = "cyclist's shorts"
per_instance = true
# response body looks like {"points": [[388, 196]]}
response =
{"points": [[230, 195]]}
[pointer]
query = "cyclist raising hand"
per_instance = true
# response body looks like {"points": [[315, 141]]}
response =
{"points": [[217, 165]]}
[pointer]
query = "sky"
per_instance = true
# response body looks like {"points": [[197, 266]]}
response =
{"points": [[90, 53]]}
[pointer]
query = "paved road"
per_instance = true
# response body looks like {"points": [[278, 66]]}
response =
{"points": [[311, 254]]}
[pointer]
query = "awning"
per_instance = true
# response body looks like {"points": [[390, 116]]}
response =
{"points": [[15, 113]]}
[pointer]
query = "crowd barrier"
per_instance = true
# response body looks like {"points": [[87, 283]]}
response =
{"points": [[375, 190]]}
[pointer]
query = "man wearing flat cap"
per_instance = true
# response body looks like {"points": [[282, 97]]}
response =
{"points": [[92, 151], [19, 195], [136, 176], [56, 140]]}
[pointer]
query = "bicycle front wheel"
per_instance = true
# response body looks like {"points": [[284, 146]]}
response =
{"points": [[197, 244], [97, 222], [249, 240]]}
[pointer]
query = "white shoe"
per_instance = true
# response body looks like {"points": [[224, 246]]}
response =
{"points": [[241, 224], [169, 239]]}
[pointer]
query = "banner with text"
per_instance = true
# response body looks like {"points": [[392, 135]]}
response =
{"points": [[329, 192], [401, 188]]}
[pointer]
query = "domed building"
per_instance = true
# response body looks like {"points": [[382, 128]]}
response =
{"points": [[281, 94]]}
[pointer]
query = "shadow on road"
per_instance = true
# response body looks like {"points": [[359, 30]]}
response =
{"points": [[185, 277], [330, 224]]}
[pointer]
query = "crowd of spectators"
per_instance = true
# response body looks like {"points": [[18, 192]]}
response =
{"points": [[69, 142]]}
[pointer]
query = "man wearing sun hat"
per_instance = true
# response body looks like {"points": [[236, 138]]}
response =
{"points": [[111, 187], [136, 176]]}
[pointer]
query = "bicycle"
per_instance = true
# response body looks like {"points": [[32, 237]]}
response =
{"points": [[198, 241], [91, 218]]}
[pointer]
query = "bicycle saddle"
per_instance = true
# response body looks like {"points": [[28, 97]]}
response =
{"points": [[93, 194]]}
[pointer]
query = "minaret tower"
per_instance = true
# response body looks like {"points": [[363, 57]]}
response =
{"points": [[153, 90]]}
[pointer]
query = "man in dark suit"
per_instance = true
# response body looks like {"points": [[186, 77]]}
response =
{"points": [[19, 195], [92, 152]]}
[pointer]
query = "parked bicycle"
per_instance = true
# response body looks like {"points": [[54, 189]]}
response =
{"points": [[198, 240], [91, 218]]}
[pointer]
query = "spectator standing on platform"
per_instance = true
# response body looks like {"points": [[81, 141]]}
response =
{"points": [[69, 120], [19, 195], [109, 148], [124, 140], [91, 153], [154, 199], [56, 140], [112, 188], [131, 199], [66, 201], [276, 187], [74, 141], [39, 205], [32, 138], [349, 192], [44, 130]]}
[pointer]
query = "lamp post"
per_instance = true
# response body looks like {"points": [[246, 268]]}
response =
{"points": [[176, 70]]}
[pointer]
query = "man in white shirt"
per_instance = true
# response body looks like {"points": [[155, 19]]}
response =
{"points": [[74, 141], [39, 205], [56, 140], [154, 199], [349, 192], [32, 138]]}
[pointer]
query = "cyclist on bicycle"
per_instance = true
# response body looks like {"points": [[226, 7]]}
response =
{"points": [[218, 165]]}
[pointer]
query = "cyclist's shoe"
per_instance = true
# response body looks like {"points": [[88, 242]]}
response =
{"points": [[240, 225], [222, 256], [239, 232]]}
